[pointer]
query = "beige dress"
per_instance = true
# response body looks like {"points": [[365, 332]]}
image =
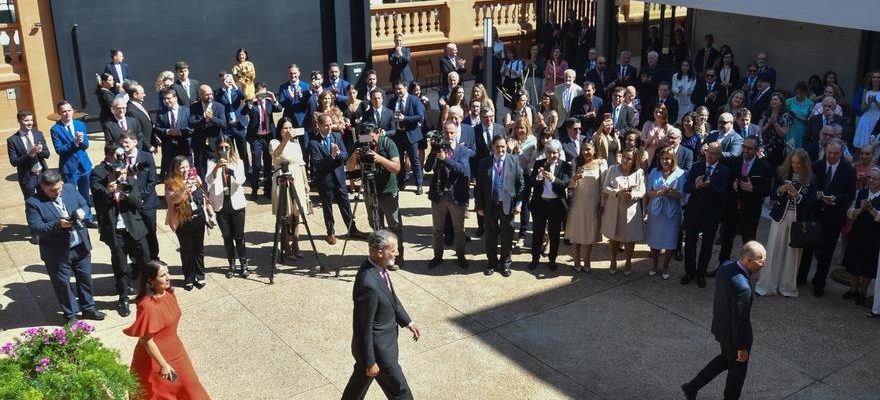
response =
{"points": [[582, 226], [622, 221], [292, 153]]}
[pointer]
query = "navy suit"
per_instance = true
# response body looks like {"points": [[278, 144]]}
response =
{"points": [[172, 146], [73, 160], [24, 162], [329, 178], [146, 123], [569, 147], [233, 102], [453, 173], [400, 70], [112, 131], [703, 214], [760, 102], [744, 208], [340, 86], [184, 99], [499, 211], [110, 68], [409, 135], [385, 121], [260, 152], [295, 105], [63, 260], [147, 180], [468, 136], [205, 133]]}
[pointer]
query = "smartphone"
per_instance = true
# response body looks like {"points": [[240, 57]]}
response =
{"points": [[173, 377]]}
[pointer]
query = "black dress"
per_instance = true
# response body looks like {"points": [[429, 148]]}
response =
{"points": [[864, 241]]}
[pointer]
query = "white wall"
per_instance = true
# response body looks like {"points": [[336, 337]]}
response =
{"points": [[796, 50]]}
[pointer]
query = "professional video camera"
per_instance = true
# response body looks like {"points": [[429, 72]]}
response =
{"points": [[364, 145], [118, 167], [437, 142]]}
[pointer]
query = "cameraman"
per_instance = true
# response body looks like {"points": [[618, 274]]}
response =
{"points": [[448, 191], [382, 153], [142, 168], [118, 207]]}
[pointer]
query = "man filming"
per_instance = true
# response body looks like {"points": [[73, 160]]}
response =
{"points": [[449, 191], [382, 153]]}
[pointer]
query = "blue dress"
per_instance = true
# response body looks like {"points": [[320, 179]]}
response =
{"points": [[664, 212]]}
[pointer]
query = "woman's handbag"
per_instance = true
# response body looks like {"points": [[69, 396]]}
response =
{"points": [[805, 234]]}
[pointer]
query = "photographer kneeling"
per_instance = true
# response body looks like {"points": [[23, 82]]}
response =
{"points": [[118, 207], [377, 157], [225, 180]]}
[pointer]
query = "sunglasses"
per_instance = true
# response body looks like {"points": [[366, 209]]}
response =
{"points": [[749, 147], [710, 75], [753, 71]]}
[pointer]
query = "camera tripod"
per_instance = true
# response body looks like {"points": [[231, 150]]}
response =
{"points": [[286, 191], [371, 201]]}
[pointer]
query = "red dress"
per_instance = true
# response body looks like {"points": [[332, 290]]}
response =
{"points": [[159, 316]]}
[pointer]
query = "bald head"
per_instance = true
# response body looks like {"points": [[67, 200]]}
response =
{"points": [[752, 256]]}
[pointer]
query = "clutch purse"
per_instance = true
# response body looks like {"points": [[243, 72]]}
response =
{"points": [[805, 234]]}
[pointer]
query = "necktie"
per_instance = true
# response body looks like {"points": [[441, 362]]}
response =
{"points": [[745, 169], [327, 143], [710, 87], [567, 99], [829, 175], [601, 77], [496, 180], [614, 117], [709, 172], [387, 279], [229, 99], [824, 121], [173, 119], [745, 132], [376, 116], [263, 120], [130, 161], [30, 141], [122, 125], [70, 130], [186, 89]]}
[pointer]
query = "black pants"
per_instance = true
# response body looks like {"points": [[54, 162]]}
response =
{"points": [[726, 361], [388, 211], [191, 236], [262, 164], [746, 223], [390, 379], [547, 215], [338, 195], [830, 235], [149, 217], [123, 246], [708, 225], [497, 221], [231, 224]]}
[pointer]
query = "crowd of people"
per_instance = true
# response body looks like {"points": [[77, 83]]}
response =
{"points": [[669, 153]]}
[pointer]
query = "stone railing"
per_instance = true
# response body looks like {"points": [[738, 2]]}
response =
{"points": [[13, 64], [421, 23], [509, 17]]}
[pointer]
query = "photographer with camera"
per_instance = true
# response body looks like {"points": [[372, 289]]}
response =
{"points": [[56, 213], [288, 151], [115, 192], [449, 189], [377, 157], [225, 186], [142, 168]]}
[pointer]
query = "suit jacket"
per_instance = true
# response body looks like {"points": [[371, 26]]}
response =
{"points": [[400, 69], [327, 172], [112, 131], [559, 92], [468, 136], [43, 216], [603, 79], [732, 307], [750, 203], [233, 107], [413, 118], [707, 202], [752, 131], [580, 107], [184, 99], [21, 159], [482, 147], [803, 206], [630, 76], [377, 316], [684, 156], [468, 120], [146, 123], [203, 128], [656, 74], [147, 179], [163, 125], [295, 107], [625, 120], [108, 210], [253, 113], [701, 91], [340, 86], [511, 186], [562, 173], [671, 109], [385, 121], [842, 185], [731, 145], [105, 102], [110, 68], [815, 125], [569, 147], [699, 64], [759, 102], [454, 171], [446, 66], [72, 158], [768, 72]]}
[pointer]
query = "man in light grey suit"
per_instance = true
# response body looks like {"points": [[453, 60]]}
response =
{"points": [[565, 93], [730, 141]]}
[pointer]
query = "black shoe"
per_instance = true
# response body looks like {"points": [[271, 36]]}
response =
{"points": [[532, 265], [435, 262], [466, 239], [711, 274], [553, 265], [122, 307], [678, 256], [701, 281], [188, 287], [850, 294], [419, 191], [506, 271], [687, 278], [463, 262], [688, 394], [200, 284], [818, 292], [230, 272], [132, 291], [245, 268], [489, 271], [357, 233], [93, 315], [479, 233], [92, 224]]}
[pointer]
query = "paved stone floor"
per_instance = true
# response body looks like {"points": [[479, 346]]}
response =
{"points": [[534, 335]]}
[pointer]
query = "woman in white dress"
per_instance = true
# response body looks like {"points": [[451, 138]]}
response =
{"points": [[622, 191], [288, 150], [683, 83], [870, 108], [793, 195]]}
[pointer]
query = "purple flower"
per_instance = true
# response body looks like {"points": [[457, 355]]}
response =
{"points": [[60, 335], [81, 325], [9, 349]]}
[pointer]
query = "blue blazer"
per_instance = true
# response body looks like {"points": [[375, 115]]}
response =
{"points": [[163, 125], [43, 216], [386, 120], [400, 70], [19, 157], [253, 112], [458, 171], [206, 128], [294, 107], [328, 172], [414, 116], [109, 69], [340, 86], [732, 307], [72, 159], [234, 108], [468, 137]]}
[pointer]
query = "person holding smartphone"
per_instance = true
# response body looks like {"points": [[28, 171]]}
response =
{"points": [[188, 214], [160, 361], [225, 181]]}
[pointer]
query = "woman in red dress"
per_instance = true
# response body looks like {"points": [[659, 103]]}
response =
{"points": [[160, 361]]}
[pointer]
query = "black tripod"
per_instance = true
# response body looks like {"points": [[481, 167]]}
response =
{"points": [[286, 191], [371, 200]]}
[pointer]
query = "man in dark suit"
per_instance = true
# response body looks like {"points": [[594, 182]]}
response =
{"points": [[603, 78], [328, 156], [261, 131], [586, 108], [335, 83], [398, 59], [409, 115], [651, 75], [816, 149], [498, 201], [118, 208], [749, 83], [472, 116], [172, 129], [751, 184], [572, 139], [708, 93], [233, 102], [483, 135], [622, 115], [548, 201], [626, 74], [448, 193], [760, 99], [706, 56], [71, 143], [371, 83], [664, 96], [451, 62], [53, 214], [379, 115], [378, 314], [708, 184], [764, 69], [28, 152], [142, 169], [121, 123], [135, 109], [836, 187], [186, 88], [827, 117], [683, 155], [294, 96], [745, 128], [207, 121], [117, 68], [731, 323]]}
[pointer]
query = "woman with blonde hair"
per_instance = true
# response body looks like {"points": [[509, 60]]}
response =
{"points": [[606, 141], [188, 215], [736, 102], [226, 180], [163, 81], [622, 189], [480, 93]]}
